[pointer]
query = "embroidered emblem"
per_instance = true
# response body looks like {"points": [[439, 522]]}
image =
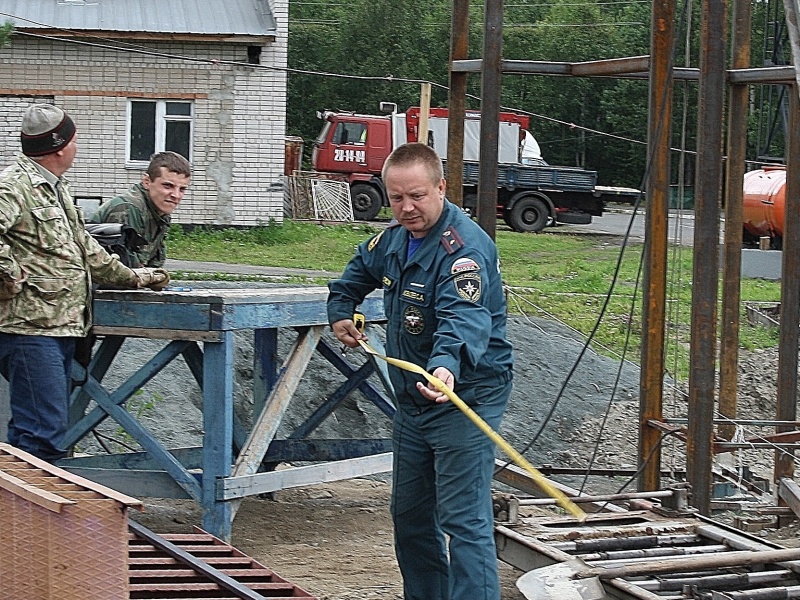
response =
{"points": [[413, 295], [374, 241], [57, 139], [387, 283], [463, 265], [468, 286], [413, 321]]}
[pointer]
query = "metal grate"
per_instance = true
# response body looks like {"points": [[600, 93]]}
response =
{"points": [[198, 565]]}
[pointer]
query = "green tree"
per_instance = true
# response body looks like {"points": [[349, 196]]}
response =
{"points": [[5, 33]]}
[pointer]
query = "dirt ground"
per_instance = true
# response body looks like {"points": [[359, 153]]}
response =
{"points": [[333, 540]]}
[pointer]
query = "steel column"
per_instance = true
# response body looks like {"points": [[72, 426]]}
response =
{"points": [[732, 270], [490, 115], [651, 383], [705, 272], [459, 49], [786, 409]]}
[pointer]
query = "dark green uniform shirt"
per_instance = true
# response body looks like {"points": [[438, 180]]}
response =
{"points": [[134, 208]]}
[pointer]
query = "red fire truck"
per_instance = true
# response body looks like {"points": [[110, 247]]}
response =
{"points": [[531, 193]]}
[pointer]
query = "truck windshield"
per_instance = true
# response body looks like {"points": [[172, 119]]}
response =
{"points": [[350, 133]]}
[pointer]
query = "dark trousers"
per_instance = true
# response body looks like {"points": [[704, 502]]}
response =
{"points": [[38, 371], [441, 500]]}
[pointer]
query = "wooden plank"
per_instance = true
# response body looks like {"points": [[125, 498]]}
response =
{"points": [[31, 493], [138, 482], [158, 334], [789, 491], [152, 315], [265, 427], [67, 476], [144, 438], [261, 483]]}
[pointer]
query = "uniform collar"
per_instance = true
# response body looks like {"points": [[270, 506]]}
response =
{"points": [[152, 207], [38, 174], [427, 251]]}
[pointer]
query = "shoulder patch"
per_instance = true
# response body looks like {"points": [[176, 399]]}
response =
{"points": [[451, 241], [464, 264], [374, 241], [468, 286]]}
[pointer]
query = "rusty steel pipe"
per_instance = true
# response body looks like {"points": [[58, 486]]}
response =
{"points": [[459, 49], [651, 381], [490, 115]]}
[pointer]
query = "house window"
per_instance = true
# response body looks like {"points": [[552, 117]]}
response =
{"points": [[158, 125]]}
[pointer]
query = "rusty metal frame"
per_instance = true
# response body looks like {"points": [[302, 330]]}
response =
{"points": [[713, 79]]}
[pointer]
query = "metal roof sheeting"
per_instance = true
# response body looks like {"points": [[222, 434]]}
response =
{"points": [[210, 17]]}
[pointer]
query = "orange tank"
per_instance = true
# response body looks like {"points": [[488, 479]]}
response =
{"points": [[764, 200]]}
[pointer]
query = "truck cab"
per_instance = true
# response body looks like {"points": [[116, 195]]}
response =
{"points": [[352, 143]]}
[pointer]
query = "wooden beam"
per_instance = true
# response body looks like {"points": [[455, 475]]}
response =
{"points": [[261, 483], [789, 491], [265, 427]]}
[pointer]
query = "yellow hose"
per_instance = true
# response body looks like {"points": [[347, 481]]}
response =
{"points": [[561, 499]]}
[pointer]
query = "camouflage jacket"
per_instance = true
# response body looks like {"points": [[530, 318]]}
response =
{"points": [[44, 246], [135, 208]]}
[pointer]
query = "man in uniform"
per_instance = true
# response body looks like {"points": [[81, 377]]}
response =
{"points": [[446, 311], [47, 265], [147, 206]]}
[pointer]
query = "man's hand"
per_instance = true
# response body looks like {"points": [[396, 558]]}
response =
{"points": [[430, 392], [155, 279], [10, 287], [347, 333]]}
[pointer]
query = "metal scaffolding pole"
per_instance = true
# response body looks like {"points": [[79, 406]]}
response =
{"points": [[708, 187], [490, 114], [732, 269], [786, 405], [651, 379], [459, 49]]}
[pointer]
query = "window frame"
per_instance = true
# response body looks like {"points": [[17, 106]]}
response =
{"points": [[162, 118]]}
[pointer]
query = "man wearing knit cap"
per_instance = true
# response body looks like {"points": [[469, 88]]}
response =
{"points": [[47, 265]]}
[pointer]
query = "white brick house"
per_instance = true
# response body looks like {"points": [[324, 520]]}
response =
{"points": [[206, 78]]}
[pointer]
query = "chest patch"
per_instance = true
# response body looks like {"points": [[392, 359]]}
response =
{"points": [[468, 286], [462, 265], [413, 321], [414, 295]]}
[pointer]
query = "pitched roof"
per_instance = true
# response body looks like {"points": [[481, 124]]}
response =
{"points": [[176, 18]]}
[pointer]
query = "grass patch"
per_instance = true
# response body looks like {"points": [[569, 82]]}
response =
{"points": [[292, 244], [552, 275]]}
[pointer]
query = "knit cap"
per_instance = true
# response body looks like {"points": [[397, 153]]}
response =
{"points": [[45, 129]]}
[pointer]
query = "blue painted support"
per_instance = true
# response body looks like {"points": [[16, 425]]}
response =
{"points": [[218, 432], [213, 316], [194, 360], [125, 391], [265, 364], [372, 393], [336, 398], [313, 450], [143, 437], [98, 367]]}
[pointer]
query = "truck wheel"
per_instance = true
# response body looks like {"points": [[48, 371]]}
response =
{"points": [[366, 201], [529, 215]]}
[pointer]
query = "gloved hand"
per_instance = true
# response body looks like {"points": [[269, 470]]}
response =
{"points": [[9, 287], [155, 279]]}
